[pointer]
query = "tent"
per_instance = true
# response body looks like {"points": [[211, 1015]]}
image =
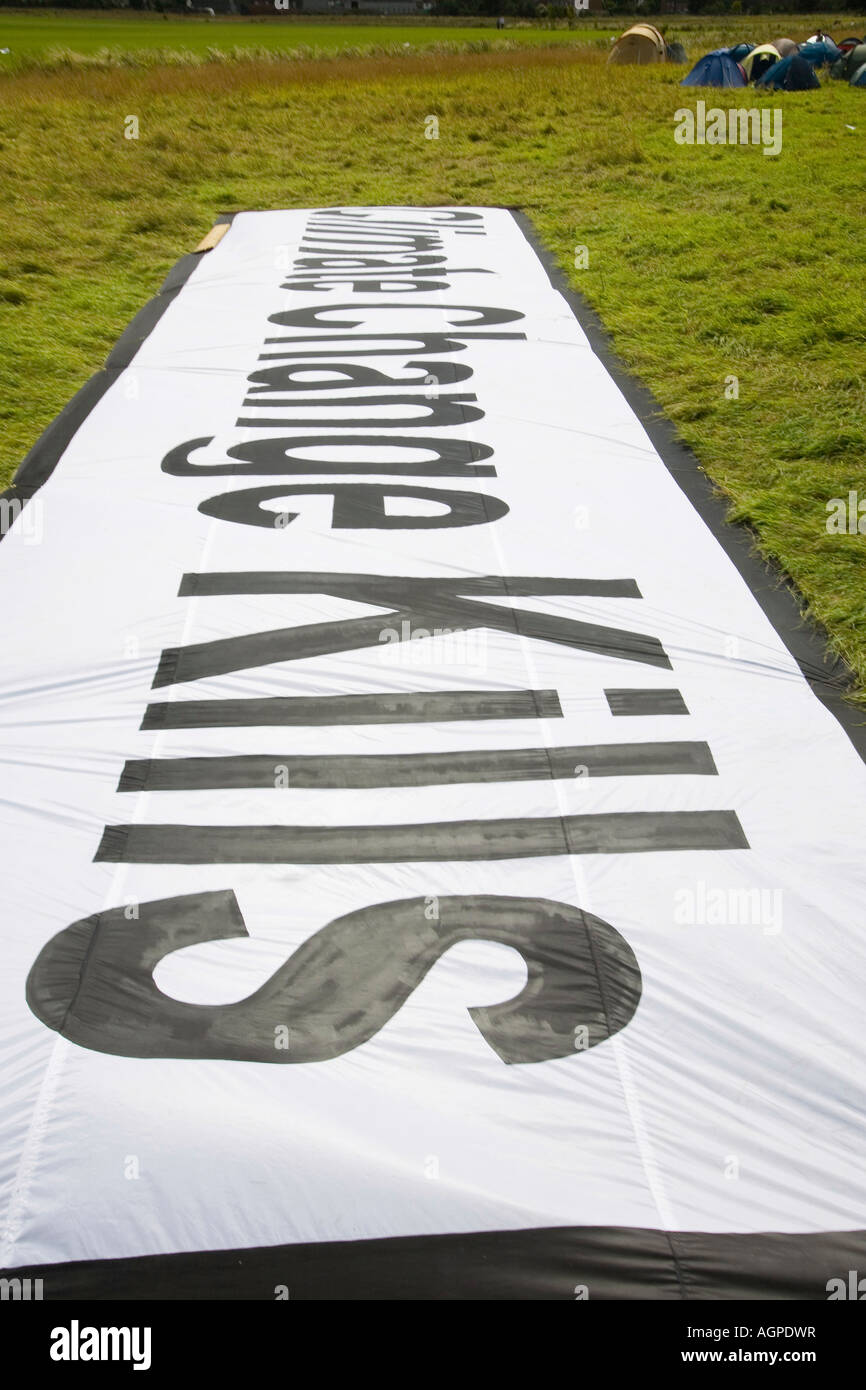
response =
{"points": [[821, 37], [792, 74], [676, 53], [739, 51], [787, 48], [856, 58], [642, 43], [757, 62], [859, 77], [716, 69], [845, 45], [819, 53]]}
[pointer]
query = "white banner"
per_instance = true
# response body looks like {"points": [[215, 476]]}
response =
{"points": [[412, 824]]}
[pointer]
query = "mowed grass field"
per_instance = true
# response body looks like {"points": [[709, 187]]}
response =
{"points": [[704, 262], [54, 37]]}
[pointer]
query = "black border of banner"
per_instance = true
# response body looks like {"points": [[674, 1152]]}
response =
{"points": [[558, 1263], [527, 1264]]}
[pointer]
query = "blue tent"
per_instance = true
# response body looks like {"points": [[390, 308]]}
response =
{"points": [[859, 78], [716, 69], [824, 51], [792, 74], [740, 51]]}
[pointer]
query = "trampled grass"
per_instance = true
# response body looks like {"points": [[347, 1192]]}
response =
{"points": [[705, 262]]}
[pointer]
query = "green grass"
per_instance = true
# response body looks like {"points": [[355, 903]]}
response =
{"points": [[53, 37], [704, 262]]}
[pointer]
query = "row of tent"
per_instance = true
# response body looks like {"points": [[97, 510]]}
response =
{"points": [[782, 64]]}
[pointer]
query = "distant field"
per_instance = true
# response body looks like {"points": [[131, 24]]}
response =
{"points": [[705, 263], [33, 36], [52, 39], [61, 38]]}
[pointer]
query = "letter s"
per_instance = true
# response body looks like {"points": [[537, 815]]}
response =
{"points": [[93, 982]]}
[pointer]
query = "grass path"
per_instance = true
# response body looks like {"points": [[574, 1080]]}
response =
{"points": [[705, 263]]}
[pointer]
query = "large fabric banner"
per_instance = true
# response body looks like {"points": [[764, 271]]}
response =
{"points": [[428, 869]]}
